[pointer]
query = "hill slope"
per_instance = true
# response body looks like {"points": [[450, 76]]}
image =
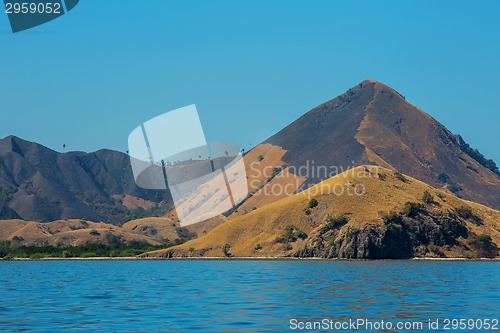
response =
{"points": [[373, 124], [37, 183], [153, 230], [447, 226]]}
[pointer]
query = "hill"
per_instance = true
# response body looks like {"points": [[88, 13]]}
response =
{"points": [[368, 212], [373, 124], [76, 232], [67, 233], [39, 184]]}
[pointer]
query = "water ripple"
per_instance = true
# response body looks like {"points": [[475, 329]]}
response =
{"points": [[237, 296]]}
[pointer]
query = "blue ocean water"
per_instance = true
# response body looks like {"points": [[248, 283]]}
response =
{"points": [[241, 296]]}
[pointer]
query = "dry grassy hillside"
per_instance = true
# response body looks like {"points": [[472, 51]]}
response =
{"points": [[153, 230], [67, 232], [447, 226], [266, 174], [168, 227]]}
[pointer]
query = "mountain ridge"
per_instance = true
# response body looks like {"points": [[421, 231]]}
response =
{"points": [[43, 185]]}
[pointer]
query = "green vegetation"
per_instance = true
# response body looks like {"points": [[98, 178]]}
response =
{"points": [[454, 188], [427, 197], [467, 255], [412, 209], [436, 250], [94, 232], [443, 177], [312, 203], [257, 247], [335, 222], [465, 212], [225, 250], [5, 193], [351, 233], [290, 235], [300, 234], [260, 158], [8, 250], [392, 217], [483, 246], [276, 171]]}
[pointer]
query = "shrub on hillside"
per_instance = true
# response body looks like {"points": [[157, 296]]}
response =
{"points": [[483, 246], [411, 209], [94, 232], [465, 212], [436, 250], [427, 197], [290, 235], [17, 238], [112, 239], [300, 234], [225, 250], [336, 221], [392, 217], [312, 203], [454, 188], [5, 193], [443, 177]]}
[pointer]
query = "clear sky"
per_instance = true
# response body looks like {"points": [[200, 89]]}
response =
{"points": [[89, 78]]}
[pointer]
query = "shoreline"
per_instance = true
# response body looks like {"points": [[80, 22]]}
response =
{"points": [[249, 259]]}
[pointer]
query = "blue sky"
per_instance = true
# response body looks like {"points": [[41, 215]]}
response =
{"points": [[90, 77]]}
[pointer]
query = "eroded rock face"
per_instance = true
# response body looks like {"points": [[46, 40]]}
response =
{"points": [[409, 238], [372, 242]]}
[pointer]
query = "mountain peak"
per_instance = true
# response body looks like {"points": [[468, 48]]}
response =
{"points": [[12, 143], [371, 123], [380, 87], [367, 81]]}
